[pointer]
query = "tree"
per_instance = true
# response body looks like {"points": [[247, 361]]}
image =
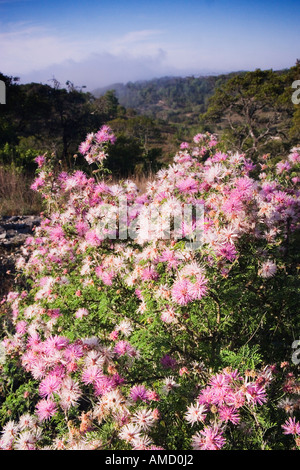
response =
{"points": [[252, 110]]}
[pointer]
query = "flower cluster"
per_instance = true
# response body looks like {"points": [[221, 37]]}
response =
{"points": [[94, 146], [224, 398], [133, 302]]}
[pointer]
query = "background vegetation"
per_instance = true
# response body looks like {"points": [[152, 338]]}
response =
{"points": [[250, 112]]}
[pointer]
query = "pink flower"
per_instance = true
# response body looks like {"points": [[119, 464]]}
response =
{"points": [[139, 392], [124, 347], [199, 288], [73, 352], [114, 335], [50, 385], [149, 274], [256, 394], [227, 251], [91, 375], [82, 228], [282, 166], [195, 413], [198, 137], [268, 269], [184, 145], [57, 233], [54, 343], [291, 426], [21, 327], [38, 183], [46, 409], [40, 160], [84, 147], [105, 135], [229, 413], [210, 438], [81, 312], [182, 291], [103, 385], [188, 185], [92, 238]]}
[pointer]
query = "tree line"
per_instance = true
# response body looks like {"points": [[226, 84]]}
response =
{"points": [[251, 112]]}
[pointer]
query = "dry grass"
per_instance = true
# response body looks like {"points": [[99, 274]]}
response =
{"points": [[16, 197]]}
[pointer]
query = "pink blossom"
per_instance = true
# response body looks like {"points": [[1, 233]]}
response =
{"points": [[81, 312], [228, 413], [291, 426], [50, 385], [92, 238], [268, 269], [210, 438], [38, 183], [182, 291], [199, 288], [139, 392], [91, 375], [45, 409], [84, 147], [40, 160]]}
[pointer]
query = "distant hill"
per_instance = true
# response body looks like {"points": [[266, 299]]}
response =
{"points": [[168, 98]]}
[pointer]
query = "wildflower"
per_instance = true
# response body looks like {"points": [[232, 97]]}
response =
{"points": [[139, 392], [84, 147], [182, 291], [25, 441], [228, 413], [199, 288], [268, 269], [49, 385], [46, 409], [169, 315], [125, 327], [39, 182], [27, 421], [142, 443], [288, 405], [143, 418], [291, 426], [195, 413], [9, 432], [169, 384], [130, 432], [40, 160], [91, 375], [255, 394], [210, 438], [184, 145], [81, 312], [54, 343]]}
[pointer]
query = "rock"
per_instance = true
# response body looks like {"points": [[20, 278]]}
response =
{"points": [[13, 233]]}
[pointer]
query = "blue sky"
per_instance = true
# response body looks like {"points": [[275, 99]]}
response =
{"points": [[97, 43]]}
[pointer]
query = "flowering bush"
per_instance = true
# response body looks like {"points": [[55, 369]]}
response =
{"points": [[139, 328]]}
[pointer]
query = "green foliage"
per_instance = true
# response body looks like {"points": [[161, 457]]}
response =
{"points": [[253, 109]]}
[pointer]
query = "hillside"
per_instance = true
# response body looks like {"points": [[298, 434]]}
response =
{"points": [[174, 99]]}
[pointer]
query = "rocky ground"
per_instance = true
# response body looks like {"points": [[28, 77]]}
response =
{"points": [[13, 232]]}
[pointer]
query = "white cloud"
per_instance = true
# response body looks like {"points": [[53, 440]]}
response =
{"points": [[37, 54], [101, 69]]}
